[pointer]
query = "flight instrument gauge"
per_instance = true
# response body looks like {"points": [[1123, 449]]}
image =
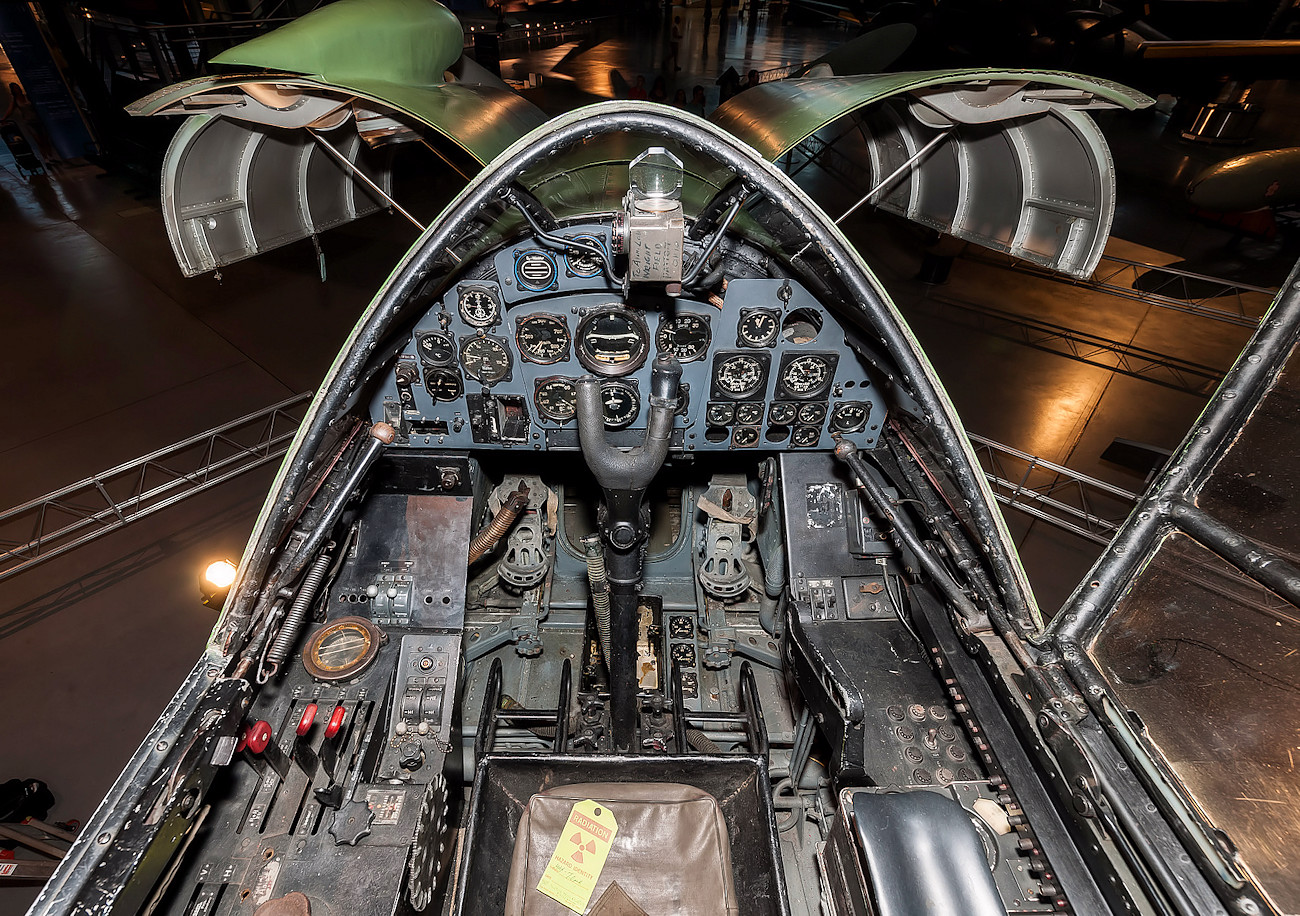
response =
{"points": [[685, 336], [745, 437], [542, 338], [612, 341], [781, 413], [442, 384], [582, 263], [805, 436], [720, 413], [556, 399], [436, 348], [749, 414], [758, 327], [343, 649], [806, 376], [622, 404], [479, 306], [739, 376], [848, 417], [485, 359], [812, 414]]}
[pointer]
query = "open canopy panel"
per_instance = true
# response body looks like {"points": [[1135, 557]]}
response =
{"points": [[1005, 159]]}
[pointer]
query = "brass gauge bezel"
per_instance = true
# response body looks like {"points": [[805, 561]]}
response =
{"points": [[322, 670]]}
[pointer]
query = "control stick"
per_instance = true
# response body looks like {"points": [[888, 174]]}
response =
{"points": [[624, 522]]}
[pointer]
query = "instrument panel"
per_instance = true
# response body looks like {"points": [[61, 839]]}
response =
{"points": [[494, 362]]}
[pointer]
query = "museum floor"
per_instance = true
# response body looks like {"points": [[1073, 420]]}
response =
{"points": [[109, 353]]}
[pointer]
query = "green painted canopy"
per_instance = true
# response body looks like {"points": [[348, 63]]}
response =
{"points": [[403, 42], [775, 117]]}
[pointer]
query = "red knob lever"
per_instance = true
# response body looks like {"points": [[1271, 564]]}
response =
{"points": [[308, 718], [336, 721], [258, 736]]}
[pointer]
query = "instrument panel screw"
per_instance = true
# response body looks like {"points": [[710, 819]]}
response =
{"points": [[103, 839]]}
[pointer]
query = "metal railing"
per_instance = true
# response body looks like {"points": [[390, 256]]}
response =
{"points": [[1126, 359], [58, 522], [1167, 287], [1074, 502]]}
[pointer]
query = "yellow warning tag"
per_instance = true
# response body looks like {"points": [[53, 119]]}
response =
{"points": [[575, 866]]}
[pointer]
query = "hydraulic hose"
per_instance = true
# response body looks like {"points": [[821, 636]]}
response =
{"points": [[599, 589], [287, 638], [492, 533]]}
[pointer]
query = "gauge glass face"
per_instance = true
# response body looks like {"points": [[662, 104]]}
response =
{"points": [[849, 417], [782, 413], [543, 338], [806, 376], [744, 437], [582, 264], [720, 414], [535, 270], [759, 328], [485, 359], [612, 341], [805, 436], [442, 384], [750, 414], [556, 399], [686, 337], [739, 376], [341, 650], [479, 307], [436, 348], [812, 414], [621, 404]]}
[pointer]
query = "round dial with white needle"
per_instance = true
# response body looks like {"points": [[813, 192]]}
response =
{"points": [[849, 417], [478, 306], [436, 348], [542, 338], [781, 413], [485, 359], [612, 341], [759, 327], [806, 376], [556, 399], [739, 376], [442, 384], [685, 336]]}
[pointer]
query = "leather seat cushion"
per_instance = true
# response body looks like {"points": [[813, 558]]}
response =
{"points": [[671, 854]]}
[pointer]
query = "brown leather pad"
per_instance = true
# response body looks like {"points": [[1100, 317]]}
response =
{"points": [[671, 854]]}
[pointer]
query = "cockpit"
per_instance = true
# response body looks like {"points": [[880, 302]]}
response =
{"points": [[628, 561]]}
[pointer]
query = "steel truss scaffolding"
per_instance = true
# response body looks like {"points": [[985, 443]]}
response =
{"points": [[58, 522]]}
